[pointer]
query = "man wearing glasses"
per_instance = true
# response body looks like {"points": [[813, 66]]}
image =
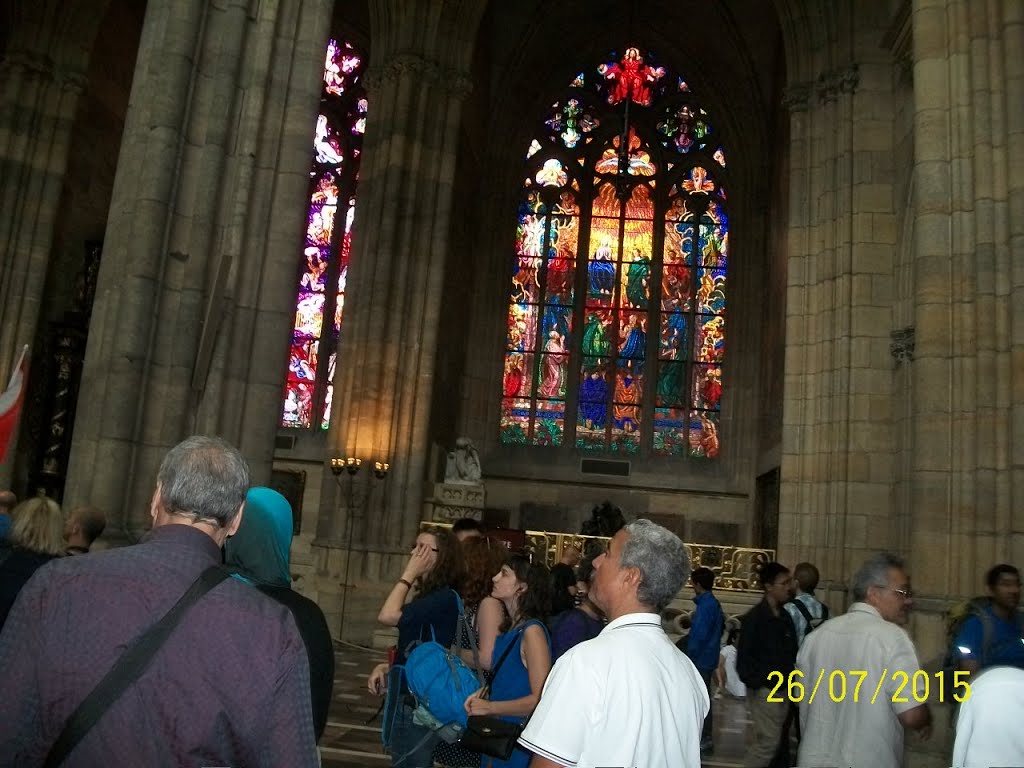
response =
{"points": [[867, 694]]}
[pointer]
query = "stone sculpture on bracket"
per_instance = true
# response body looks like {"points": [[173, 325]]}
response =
{"points": [[463, 466]]}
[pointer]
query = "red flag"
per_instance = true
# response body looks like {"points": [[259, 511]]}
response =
{"points": [[10, 405]]}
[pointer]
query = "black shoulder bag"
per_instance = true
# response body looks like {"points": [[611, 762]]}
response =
{"points": [[489, 734], [128, 668]]}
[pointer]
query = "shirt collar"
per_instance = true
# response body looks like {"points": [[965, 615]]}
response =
{"points": [[629, 619], [865, 608], [186, 536]]}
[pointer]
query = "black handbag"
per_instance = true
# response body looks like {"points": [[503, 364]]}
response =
{"points": [[488, 734]]}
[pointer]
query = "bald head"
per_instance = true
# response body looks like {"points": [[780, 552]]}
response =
{"points": [[8, 501], [83, 527]]}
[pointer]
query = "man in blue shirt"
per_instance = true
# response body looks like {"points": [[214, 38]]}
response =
{"points": [[704, 642], [992, 637]]}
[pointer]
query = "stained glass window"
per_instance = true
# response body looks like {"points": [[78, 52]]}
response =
{"points": [[327, 243], [616, 323]]}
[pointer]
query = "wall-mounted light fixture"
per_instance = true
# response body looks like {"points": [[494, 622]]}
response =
{"points": [[356, 498]]}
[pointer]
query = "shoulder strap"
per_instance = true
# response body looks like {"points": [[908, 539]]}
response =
{"points": [[128, 668], [501, 660], [824, 611], [804, 612]]}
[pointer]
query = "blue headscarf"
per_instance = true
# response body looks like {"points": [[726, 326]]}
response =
{"points": [[259, 551]]}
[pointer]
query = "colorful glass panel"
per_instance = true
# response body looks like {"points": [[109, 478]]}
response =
{"points": [[337, 142], [638, 247], [704, 435]]}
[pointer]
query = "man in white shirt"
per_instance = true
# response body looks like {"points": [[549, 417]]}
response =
{"points": [[628, 697], [988, 728], [862, 723]]}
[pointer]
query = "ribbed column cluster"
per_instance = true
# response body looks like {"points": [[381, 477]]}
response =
{"points": [[420, 55], [837, 443], [42, 76], [204, 217], [968, 381]]}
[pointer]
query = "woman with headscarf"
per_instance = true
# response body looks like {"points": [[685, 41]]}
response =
{"points": [[259, 554]]}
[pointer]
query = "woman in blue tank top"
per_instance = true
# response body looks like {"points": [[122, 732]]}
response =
{"points": [[525, 590]]}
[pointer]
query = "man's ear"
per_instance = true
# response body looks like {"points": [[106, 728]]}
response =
{"points": [[154, 504], [632, 576], [232, 527]]}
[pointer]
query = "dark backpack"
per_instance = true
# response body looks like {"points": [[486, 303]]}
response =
{"points": [[955, 619], [812, 623]]}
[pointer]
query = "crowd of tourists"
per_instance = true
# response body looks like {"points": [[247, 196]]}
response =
{"points": [[191, 648]]}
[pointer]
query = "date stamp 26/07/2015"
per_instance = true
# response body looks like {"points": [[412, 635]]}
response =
{"points": [[853, 685]]}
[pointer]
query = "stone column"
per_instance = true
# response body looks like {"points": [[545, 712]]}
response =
{"points": [[969, 292], [420, 54], [836, 467], [41, 78], [209, 189]]}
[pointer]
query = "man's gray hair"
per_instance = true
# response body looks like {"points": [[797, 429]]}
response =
{"points": [[874, 573], [661, 559], [204, 478]]}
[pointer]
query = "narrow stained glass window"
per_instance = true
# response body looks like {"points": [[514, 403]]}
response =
{"points": [[327, 243], [616, 323]]}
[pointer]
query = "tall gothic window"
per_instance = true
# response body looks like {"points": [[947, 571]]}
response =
{"points": [[616, 320], [327, 243]]}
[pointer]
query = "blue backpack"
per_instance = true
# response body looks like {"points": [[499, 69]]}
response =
{"points": [[439, 679]]}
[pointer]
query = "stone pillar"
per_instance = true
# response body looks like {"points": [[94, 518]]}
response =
{"points": [[835, 501], [41, 77], [969, 292], [207, 198], [420, 54]]}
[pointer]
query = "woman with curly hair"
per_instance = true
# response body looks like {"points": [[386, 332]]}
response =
{"points": [[433, 570], [36, 537], [482, 557], [522, 654]]}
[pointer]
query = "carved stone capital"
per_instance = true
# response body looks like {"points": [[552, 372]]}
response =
{"points": [[73, 82], [797, 97], [27, 63], [449, 80], [838, 81], [901, 345]]}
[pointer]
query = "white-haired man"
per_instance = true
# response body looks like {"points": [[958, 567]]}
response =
{"points": [[628, 697], [229, 686], [869, 647]]}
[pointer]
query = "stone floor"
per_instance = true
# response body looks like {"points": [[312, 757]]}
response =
{"points": [[352, 737]]}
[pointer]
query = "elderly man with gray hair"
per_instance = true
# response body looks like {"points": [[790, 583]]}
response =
{"points": [[860, 719], [628, 697], [229, 681]]}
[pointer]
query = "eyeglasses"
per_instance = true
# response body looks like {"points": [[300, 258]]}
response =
{"points": [[905, 593]]}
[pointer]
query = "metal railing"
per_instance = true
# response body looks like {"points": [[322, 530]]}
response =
{"points": [[735, 568]]}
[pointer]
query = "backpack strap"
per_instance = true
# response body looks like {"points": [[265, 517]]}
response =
{"points": [[798, 604], [824, 611], [463, 626]]}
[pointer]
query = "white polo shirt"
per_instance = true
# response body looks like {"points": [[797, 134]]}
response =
{"points": [[628, 698], [836, 729]]}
